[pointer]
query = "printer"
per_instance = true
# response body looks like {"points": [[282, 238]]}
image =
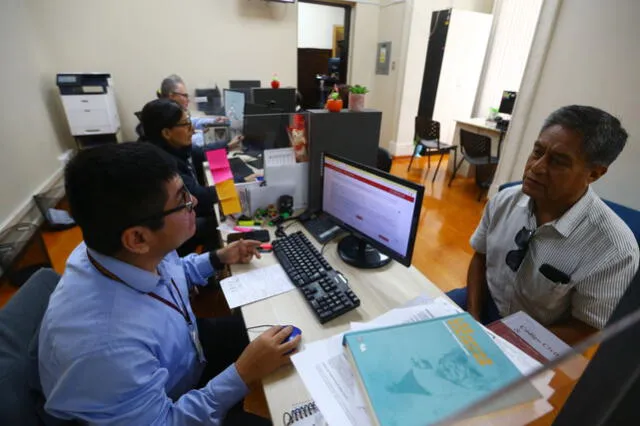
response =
{"points": [[90, 105]]}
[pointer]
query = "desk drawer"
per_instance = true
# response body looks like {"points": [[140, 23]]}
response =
{"points": [[82, 102]]}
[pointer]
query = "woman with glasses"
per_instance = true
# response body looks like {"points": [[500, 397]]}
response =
{"points": [[168, 126]]}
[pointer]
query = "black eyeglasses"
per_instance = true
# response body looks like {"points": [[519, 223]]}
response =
{"points": [[184, 95], [515, 257], [187, 204], [187, 123]]}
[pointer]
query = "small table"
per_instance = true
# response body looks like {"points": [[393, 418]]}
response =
{"points": [[475, 125]]}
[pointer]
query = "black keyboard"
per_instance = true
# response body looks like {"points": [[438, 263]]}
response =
{"points": [[326, 290], [239, 169]]}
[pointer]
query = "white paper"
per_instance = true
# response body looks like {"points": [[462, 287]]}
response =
{"points": [[279, 157], [249, 287], [326, 373], [541, 339]]}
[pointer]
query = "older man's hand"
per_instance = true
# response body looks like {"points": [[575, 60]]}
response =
{"points": [[241, 251]]}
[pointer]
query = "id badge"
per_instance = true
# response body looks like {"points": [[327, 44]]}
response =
{"points": [[196, 343]]}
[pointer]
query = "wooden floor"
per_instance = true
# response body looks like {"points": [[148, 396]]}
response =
{"points": [[442, 252]]}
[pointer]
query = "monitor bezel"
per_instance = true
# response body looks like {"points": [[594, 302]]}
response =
{"points": [[403, 260]]}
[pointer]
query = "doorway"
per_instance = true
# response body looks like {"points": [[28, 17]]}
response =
{"points": [[323, 49]]}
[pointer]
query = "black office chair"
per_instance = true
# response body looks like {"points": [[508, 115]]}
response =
{"points": [[384, 160], [476, 149], [427, 135]]}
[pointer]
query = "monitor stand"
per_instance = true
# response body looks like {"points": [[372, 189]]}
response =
{"points": [[357, 252]]}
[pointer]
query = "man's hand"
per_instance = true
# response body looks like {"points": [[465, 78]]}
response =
{"points": [[266, 354], [241, 251], [221, 119], [235, 141]]}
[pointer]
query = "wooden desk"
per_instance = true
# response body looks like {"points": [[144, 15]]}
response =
{"points": [[475, 125], [379, 291]]}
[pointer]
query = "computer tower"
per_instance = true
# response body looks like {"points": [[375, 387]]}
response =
{"points": [[352, 135]]}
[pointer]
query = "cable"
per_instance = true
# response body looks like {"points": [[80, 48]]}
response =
{"points": [[260, 326]]}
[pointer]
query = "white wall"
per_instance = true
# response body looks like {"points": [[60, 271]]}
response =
{"points": [[593, 59], [364, 40], [513, 28], [315, 25], [140, 42], [32, 136], [401, 142]]}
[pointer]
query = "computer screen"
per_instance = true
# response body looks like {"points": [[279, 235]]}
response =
{"points": [[266, 131], [508, 100], [243, 84], [381, 211], [283, 99], [234, 108]]}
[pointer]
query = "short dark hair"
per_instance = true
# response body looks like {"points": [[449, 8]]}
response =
{"points": [[602, 134], [168, 85], [159, 114], [113, 187]]}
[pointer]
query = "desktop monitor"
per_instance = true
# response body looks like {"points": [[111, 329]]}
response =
{"points": [[234, 105], [243, 84], [508, 100], [267, 131], [283, 99], [380, 210]]}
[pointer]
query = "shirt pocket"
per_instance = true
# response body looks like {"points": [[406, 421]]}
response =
{"points": [[546, 295]]}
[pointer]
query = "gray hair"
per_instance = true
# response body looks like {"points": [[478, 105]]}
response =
{"points": [[603, 137], [169, 85]]}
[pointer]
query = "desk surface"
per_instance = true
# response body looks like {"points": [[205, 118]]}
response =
{"points": [[479, 122], [379, 291]]}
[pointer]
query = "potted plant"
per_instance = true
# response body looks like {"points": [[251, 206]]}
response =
{"points": [[356, 97], [334, 102]]}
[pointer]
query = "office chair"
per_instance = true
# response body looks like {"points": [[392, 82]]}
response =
{"points": [[384, 160], [476, 149], [427, 135]]}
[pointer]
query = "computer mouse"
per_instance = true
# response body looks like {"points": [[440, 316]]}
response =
{"points": [[296, 332]]}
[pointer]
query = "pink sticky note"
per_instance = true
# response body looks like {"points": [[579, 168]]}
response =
{"points": [[217, 159], [220, 175]]}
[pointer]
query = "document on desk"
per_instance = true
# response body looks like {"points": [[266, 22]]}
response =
{"points": [[258, 284], [327, 374], [279, 157]]}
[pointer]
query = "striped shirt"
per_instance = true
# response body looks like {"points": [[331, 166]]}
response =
{"points": [[589, 243]]}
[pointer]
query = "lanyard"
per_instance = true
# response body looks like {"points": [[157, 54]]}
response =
{"points": [[173, 305]]}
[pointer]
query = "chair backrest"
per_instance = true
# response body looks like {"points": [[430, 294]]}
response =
{"points": [[384, 160], [426, 129], [474, 145], [20, 392]]}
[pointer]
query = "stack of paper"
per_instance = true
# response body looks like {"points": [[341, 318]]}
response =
{"points": [[327, 374], [258, 284], [223, 180]]}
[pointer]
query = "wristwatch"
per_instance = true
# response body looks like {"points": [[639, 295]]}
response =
{"points": [[215, 260]]}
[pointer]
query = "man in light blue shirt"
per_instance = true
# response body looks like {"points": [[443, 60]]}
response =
{"points": [[173, 88], [119, 343]]}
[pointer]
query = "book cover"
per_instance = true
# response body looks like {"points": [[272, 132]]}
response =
{"points": [[420, 373]]}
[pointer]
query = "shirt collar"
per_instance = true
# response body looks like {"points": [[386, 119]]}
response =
{"points": [[134, 277], [571, 218]]}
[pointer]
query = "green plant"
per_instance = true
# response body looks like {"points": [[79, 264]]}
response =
{"points": [[358, 90], [334, 96]]}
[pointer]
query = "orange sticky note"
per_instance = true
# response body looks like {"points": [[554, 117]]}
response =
{"points": [[231, 206], [226, 190]]}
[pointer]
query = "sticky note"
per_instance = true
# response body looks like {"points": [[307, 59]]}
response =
{"points": [[217, 159], [231, 206], [226, 190], [220, 175]]}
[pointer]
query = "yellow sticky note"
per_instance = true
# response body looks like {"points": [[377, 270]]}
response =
{"points": [[226, 190], [231, 206]]}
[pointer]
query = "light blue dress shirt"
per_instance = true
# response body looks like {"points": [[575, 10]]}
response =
{"points": [[198, 137], [110, 354]]}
